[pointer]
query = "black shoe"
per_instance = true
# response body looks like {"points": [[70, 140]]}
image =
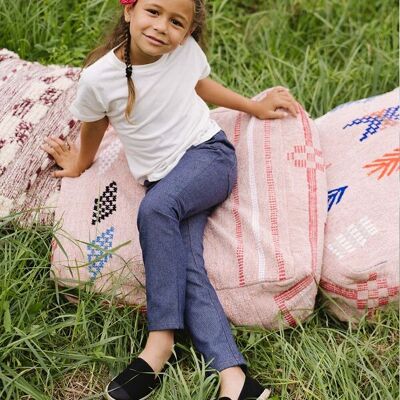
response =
{"points": [[251, 390], [136, 382]]}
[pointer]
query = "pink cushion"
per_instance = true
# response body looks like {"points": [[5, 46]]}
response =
{"points": [[33, 102], [263, 245], [361, 264]]}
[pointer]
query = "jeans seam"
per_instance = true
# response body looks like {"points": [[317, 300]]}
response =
{"points": [[194, 258], [231, 185]]}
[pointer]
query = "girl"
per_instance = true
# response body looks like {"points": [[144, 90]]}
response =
{"points": [[150, 81]]}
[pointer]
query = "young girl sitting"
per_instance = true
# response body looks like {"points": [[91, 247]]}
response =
{"points": [[150, 82]]}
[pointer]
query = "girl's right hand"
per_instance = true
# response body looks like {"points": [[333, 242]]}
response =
{"points": [[65, 154], [277, 98]]}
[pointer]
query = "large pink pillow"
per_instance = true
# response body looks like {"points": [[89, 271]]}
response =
{"points": [[263, 245], [360, 141], [33, 101]]}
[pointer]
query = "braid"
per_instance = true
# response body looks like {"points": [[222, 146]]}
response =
{"points": [[127, 53], [128, 73]]}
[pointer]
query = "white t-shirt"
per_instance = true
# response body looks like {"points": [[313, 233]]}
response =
{"points": [[168, 116]]}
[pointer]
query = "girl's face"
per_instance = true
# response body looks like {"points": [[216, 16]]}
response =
{"points": [[158, 27]]}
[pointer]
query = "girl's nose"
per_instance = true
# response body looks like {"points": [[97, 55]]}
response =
{"points": [[160, 25]]}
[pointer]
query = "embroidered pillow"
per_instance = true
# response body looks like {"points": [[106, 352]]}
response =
{"points": [[361, 263], [262, 246], [32, 104]]}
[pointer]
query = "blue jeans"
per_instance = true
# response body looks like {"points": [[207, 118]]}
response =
{"points": [[171, 222]]}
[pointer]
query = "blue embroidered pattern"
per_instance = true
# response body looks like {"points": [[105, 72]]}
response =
{"points": [[376, 121], [104, 241], [335, 196]]}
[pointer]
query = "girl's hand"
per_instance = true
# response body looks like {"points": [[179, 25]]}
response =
{"points": [[278, 97], [65, 154]]}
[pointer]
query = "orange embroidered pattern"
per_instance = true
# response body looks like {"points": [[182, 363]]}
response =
{"points": [[385, 165]]}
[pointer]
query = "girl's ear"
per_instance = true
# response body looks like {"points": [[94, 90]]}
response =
{"points": [[127, 12]]}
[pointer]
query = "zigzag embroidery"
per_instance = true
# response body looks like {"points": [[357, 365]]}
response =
{"points": [[106, 204]]}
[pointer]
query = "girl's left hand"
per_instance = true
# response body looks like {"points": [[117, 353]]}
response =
{"points": [[278, 97]]}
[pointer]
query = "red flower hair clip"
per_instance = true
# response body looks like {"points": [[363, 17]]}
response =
{"points": [[124, 2]]}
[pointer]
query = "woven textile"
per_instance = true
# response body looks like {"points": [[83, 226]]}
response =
{"points": [[262, 246], [33, 102], [361, 261]]}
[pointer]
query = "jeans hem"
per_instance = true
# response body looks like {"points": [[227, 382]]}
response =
{"points": [[164, 326], [230, 363]]}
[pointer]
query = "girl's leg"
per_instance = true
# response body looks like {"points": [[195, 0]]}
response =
{"points": [[202, 179], [204, 315]]}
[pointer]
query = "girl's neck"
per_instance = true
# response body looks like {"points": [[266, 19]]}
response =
{"points": [[142, 59]]}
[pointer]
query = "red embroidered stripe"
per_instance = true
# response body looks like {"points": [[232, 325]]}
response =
{"points": [[333, 288], [281, 298], [312, 196], [273, 207], [235, 211]]}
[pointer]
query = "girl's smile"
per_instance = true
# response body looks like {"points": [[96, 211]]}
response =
{"points": [[154, 40]]}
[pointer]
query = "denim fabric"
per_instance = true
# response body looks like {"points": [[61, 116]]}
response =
{"points": [[171, 222]]}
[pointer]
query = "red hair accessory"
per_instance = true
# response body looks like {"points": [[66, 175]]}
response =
{"points": [[124, 2]]}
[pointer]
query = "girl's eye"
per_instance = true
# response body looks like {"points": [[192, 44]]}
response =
{"points": [[176, 22], [154, 12]]}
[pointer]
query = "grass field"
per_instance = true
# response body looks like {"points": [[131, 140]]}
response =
{"points": [[327, 52]]}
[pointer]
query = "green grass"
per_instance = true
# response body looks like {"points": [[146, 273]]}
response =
{"points": [[51, 349], [327, 52]]}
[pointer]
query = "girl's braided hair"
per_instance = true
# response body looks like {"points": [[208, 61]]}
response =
{"points": [[121, 34]]}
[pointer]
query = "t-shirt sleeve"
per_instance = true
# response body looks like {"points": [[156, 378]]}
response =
{"points": [[206, 70], [87, 106], [204, 66]]}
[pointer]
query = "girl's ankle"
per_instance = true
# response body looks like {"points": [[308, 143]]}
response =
{"points": [[156, 358]]}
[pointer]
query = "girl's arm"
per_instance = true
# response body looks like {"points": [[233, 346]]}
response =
{"points": [[68, 156], [279, 97]]}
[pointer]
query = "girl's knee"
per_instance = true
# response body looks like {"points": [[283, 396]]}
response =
{"points": [[154, 207]]}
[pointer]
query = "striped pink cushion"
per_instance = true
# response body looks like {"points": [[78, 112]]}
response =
{"points": [[32, 106], [263, 246], [361, 262]]}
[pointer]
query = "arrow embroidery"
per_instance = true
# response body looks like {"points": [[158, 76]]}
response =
{"points": [[335, 196], [386, 165], [376, 121]]}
